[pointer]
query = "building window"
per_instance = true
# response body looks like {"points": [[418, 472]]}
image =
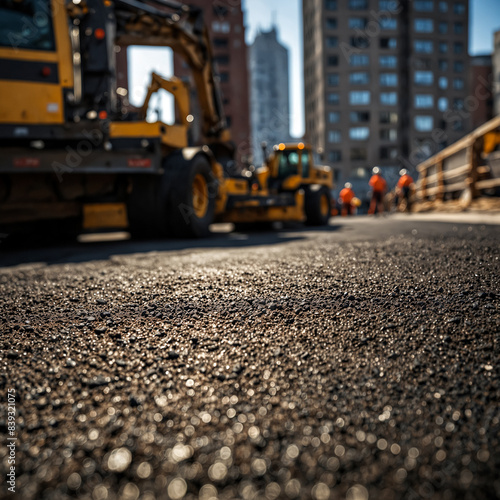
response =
{"points": [[357, 23], [458, 66], [390, 5], [443, 82], [443, 28], [459, 8], [458, 28], [389, 135], [423, 5], [359, 133], [424, 101], [359, 116], [333, 117], [359, 154], [331, 23], [458, 84], [334, 136], [423, 64], [332, 42], [443, 65], [424, 123], [424, 78], [221, 27], [424, 46], [443, 47], [388, 117], [359, 60], [358, 4], [388, 43], [333, 79], [224, 77], [361, 97], [458, 48], [388, 23], [388, 153], [388, 61], [331, 5], [222, 60], [388, 98], [388, 79], [221, 43], [335, 156], [359, 78], [359, 42], [458, 103], [443, 6], [333, 98], [424, 25], [443, 104], [333, 61]]}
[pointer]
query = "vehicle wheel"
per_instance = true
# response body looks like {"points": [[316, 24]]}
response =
{"points": [[193, 189], [317, 206]]}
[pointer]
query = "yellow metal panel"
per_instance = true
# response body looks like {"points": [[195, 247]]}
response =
{"points": [[134, 129], [105, 215], [28, 55], [63, 44], [30, 103], [236, 186], [174, 136]]}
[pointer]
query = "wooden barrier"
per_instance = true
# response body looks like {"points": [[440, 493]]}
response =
{"points": [[461, 166]]}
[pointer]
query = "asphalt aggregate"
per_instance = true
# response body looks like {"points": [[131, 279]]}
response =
{"points": [[358, 362]]}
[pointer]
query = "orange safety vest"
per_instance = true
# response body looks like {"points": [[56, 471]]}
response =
{"points": [[378, 184], [405, 181], [346, 195]]}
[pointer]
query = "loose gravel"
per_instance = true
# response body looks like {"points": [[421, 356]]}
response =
{"points": [[313, 369]]}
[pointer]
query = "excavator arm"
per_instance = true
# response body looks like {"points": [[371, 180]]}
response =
{"points": [[180, 27]]}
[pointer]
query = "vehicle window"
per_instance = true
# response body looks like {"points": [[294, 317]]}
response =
{"points": [[289, 164], [26, 24], [305, 164]]}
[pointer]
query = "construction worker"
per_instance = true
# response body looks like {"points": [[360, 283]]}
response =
{"points": [[345, 199], [379, 187], [403, 189]]}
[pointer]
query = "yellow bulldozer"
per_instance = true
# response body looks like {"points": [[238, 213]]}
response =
{"points": [[71, 153]]}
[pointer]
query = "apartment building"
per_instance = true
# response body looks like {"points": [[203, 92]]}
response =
{"points": [[386, 81]]}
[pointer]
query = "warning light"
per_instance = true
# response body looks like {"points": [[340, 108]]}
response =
{"points": [[99, 33], [46, 71], [103, 115], [282, 147], [301, 145]]}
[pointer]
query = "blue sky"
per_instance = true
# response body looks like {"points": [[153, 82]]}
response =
{"points": [[484, 20]]}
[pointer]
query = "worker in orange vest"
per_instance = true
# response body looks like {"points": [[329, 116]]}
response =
{"points": [[379, 187], [345, 199], [403, 189]]}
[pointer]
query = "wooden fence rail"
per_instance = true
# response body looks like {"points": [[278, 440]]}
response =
{"points": [[472, 163]]}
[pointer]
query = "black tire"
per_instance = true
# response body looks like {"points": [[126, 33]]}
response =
{"points": [[191, 206], [317, 205]]}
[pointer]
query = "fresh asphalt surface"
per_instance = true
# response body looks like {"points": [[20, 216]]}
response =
{"points": [[357, 361]]}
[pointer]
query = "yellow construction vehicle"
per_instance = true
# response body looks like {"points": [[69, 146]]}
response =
{"points": [[70, 151]]}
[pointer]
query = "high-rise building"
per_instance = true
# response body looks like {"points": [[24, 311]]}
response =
{"points": [[496, 72], [385, 80], [269, 92], [481, 86]]}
